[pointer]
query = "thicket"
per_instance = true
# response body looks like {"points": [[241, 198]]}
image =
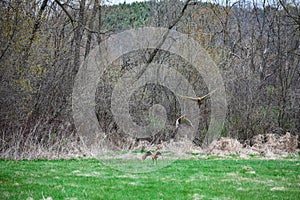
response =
{"points": [[256, 47]]}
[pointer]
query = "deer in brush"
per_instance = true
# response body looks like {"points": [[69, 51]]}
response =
{"points": [[154, 156]]}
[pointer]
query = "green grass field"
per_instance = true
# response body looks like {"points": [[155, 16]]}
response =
{"points": [[212, 178]]}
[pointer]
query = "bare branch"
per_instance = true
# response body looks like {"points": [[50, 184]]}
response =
{"points": [[65, 11], [154, 53]]}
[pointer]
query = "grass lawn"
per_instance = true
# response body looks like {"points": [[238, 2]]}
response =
{"points": [[211, 178]]}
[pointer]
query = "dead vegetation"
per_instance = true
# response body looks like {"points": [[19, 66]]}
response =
{"points": [[269, 145], [57, 142], [69, 145]]}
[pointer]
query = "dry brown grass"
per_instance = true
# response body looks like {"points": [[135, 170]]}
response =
{"points": [[34, 144], [271, 145], [64, 144]]}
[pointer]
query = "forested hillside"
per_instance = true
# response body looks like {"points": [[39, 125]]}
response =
{"points": [[255, 45]]}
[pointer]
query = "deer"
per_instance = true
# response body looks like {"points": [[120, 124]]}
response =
{"points": [[154, 156]]}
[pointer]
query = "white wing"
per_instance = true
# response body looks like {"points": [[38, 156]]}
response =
{"points": [[183, 120]]}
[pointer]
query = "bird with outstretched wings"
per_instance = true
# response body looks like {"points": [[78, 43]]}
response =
{"points": [[199, 100]]}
